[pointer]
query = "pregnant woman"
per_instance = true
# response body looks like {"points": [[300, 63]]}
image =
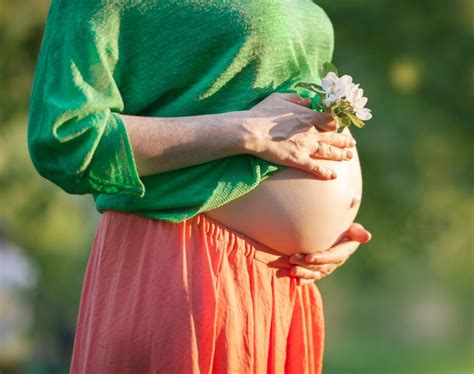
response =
{"points": [[180, 118]]}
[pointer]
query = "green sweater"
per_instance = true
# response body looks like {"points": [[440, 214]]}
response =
{"points": [[102, 58]]}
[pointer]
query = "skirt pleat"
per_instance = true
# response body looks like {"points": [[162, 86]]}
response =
{"points": [[192, 297]]}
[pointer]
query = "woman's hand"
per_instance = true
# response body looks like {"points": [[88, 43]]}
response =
{"points": [[283, 130], [314, 266]]}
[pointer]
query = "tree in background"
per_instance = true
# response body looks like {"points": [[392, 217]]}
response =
{"points": [[404, 301]]}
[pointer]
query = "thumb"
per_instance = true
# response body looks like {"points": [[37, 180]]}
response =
{"points": [[358, 233], [326, 122], [296, 99]]}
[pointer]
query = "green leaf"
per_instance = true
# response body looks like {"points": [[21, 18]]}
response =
{"points": [[356, 121], [310, 86], [326, 68], [345, 120], [340, 129], [316, 101]]}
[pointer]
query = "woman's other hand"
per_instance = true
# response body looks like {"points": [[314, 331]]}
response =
{"points": [[283, 129], [310, 267]]}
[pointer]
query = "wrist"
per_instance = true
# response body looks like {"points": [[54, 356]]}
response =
{"points": [[247, 139]]}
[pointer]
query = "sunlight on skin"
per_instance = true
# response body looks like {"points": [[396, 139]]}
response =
{"points": [[315, 266]]}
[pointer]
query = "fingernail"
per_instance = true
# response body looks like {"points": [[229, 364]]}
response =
{"points": [[348, 154], [333, 175]]}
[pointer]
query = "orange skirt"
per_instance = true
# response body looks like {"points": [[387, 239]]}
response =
{"points": [[192, 297]]}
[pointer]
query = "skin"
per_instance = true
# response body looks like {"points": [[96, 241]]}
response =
{"points": [[280, 129], [304, 266], [322, 263], [315, 266], [292, 211]]}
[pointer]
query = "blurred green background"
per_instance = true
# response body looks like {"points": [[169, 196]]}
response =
{"points": [[402, 304]]}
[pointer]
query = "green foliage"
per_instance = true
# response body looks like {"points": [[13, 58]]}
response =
{"points": [[403, 301], [343, 109], [328, 67], [353, 119]]}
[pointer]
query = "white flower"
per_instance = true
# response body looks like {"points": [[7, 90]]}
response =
{"points": [[329, 82], [335, 87], [355, 96], [338, 88], [329, 100], [364, 114], [345, 82], [330, 86]]}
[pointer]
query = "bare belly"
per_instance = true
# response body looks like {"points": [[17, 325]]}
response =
{"points": [[292, 211]]}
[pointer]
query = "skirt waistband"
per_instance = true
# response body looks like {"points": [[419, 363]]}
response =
{"points": [[249, 247]]}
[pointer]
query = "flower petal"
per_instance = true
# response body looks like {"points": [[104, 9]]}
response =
{"points": [[346, 79], [364, 114]]}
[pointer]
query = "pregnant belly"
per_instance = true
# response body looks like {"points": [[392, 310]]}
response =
{"points": [[292, 211]]}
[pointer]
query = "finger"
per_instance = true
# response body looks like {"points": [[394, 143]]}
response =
{"points": [[358, 233], [328, 270], [322, 268], [337, 140], [312, 166], [295, 99], [302, 281], [325, 270], [335, 255], [297, 259], [300, 272], [329, 152], [313, 267], [325, 121]]}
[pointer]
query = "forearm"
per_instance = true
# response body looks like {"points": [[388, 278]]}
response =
{"points": [[161, 144]]}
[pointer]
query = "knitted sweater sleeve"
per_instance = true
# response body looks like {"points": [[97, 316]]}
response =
{"points": [[76, 137]]}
